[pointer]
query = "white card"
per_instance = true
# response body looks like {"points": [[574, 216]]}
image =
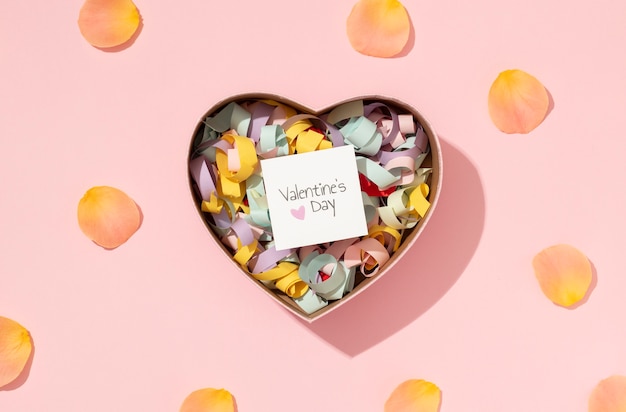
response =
{"points": [[314, 197]]}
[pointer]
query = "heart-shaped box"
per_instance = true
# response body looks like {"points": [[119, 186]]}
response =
{"points": [[229, 117]]}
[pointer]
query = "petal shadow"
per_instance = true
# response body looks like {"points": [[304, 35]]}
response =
{"points": [[23, 376], [410, 42], [127, 43]]}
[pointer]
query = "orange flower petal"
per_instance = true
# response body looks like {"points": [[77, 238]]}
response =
{"points": [[378, 28], [518, 102], [609, 395], [414, 395], [209, 400], [108, 216], [108, 23], [15, 349], [564, 274]]}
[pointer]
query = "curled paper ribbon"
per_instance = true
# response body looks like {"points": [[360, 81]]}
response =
{"points": [[233, 116], [310, 302], [340, 279], [363, 134], [405, 207], [232, 178], [386, 236], [224, 168], [285, 278], [369, 254], [273, 140]]}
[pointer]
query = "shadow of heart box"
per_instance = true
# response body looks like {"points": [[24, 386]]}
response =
{"points": [[433, 161]]}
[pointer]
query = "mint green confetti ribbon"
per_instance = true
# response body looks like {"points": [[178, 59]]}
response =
{"points": [[257, 201], [340, 282], [363, 134], [311, 302], [375, 172], [273, 136], [232, 116]]}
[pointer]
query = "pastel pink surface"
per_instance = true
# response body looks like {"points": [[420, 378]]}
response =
{"points": [[140, 327]]}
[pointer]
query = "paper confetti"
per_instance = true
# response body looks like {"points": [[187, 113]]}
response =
{"points": [[564, 274], [609, 395], [108, 23], [390, 148], [15, 349], [209, 400], [517, 102], [378, 28], [108, 216], [414, 395]]}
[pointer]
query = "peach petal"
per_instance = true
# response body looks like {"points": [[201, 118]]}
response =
{"points": [[518, 102], [209, 400], [108, 216], [15, 348], [414, 395], [609, 395], [564, 274], [378, 28], [108, 23]]}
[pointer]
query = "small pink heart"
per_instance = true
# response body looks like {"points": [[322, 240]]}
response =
{"points": [[298, 213]]}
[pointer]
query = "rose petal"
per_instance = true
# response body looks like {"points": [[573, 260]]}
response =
{"points": [[209, 400], [414, 395], [564, 274], [609, 395], [378, 28], [108, 23], [108, 216], [15, 349], [518, 102]]}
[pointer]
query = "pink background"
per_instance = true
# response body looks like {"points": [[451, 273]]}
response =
{"points": [[140, 327]]}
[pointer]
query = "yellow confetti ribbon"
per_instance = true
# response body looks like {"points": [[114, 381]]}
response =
{"points": [[285, 278], [405, 207], [385, 235], [302, 139], [232, 182]]}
